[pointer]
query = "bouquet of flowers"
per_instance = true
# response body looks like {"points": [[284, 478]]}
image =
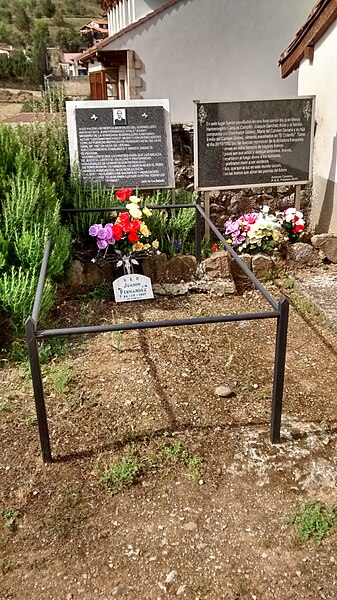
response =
{"points": [[253, 232], [128, 235], [293, 224]]}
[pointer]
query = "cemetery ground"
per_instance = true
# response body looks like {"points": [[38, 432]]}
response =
{"points": [[160, 488]]}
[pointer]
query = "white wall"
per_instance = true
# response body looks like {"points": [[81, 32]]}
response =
{"points": [[215, 50], [320, 78]]}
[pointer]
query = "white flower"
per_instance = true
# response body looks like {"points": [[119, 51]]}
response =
{"points": [[134, 211], [134, 199]]}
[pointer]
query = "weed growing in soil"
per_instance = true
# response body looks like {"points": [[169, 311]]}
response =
{"points": [[289, 283], [119, 475], [68, 513], [314, 519], [123, 473], [178, 452], [60, 378], [10, 514], [6, 407]]}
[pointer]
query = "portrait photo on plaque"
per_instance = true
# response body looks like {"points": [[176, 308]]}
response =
{"points": [[119, 116]]}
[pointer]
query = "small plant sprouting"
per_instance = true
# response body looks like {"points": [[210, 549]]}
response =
{"points": [[10, 514], [314, 519], [120, 475], [178, 452], [289, 283]]}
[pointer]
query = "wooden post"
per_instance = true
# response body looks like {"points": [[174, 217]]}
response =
{"points": [[298, 197], [207, 211]]}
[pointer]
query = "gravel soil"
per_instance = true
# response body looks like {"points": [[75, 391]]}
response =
{"points": [[207, 515]]}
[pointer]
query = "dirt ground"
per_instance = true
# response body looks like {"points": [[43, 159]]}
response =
{"points": [[11, 101], [208, 514]]}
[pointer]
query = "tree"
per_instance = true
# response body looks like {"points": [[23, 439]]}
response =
{"points": [[58, 19], [47, 8], [38, 65], [69, 40], [21, 18]]}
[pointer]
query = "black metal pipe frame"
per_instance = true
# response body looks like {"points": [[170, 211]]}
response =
{"points": [[280, 312]]}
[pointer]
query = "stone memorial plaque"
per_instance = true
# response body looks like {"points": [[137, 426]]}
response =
{"points": [[122, 143], [253, 143], [132, 287]]}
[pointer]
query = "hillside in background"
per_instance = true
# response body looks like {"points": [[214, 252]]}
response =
{"points": [[63, 18]]}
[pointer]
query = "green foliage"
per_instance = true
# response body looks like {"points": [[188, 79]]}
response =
{"points": [[289, 283], [17, 292], [82, 195], [173, 229], [11, 514], [31, 170], [40, 37], [119, 475], [69, 40], [178, 452], [314, 520]]}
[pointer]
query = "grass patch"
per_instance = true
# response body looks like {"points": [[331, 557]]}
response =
{"points": [[120, 475], [125, 472], [289, 283], [178, 452], [10, 514], [314, 520], [60, 377]]}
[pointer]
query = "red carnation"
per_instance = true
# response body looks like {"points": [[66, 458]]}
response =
{"points": [[123, 194], [117, 232], [133, 237], [215, 247]]}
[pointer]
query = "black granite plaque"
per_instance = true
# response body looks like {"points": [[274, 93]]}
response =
{"points": [[124, 146], [251, 143]]}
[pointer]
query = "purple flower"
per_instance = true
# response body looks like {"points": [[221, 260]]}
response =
{"points": [[102, 234], [238, 239], [109, 237], [232, 227], [102, 244], [94, 229]]}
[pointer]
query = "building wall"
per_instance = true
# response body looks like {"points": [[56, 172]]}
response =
{"points": [[318, 78], [129, 11], [218, 50]]}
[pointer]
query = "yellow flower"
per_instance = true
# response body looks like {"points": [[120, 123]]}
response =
{"points": [[138, 246], [146, 246], [134, 211], [134, 199], [144, 230], [147, 212], [155, 244]]}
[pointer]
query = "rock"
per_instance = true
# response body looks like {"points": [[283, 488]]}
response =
{"points": [[223, 391], [302, 254], [171, 577], [181, 268], [75, 277], [155, 268], [216, 265], [262, 266], [190, 526], [171, 289], [95, 274], [237, 273], [327, 243], [220, 287]]}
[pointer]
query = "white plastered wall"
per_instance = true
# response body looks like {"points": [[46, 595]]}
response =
{"points": [[215, 50], [319, 78]]}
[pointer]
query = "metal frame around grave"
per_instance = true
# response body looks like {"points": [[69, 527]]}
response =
{"points": [[280, 311]]}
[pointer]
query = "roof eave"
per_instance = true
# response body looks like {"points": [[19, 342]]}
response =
{"points": [[308, 36]]}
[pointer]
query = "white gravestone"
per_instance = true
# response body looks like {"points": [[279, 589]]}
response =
{"points": [[132, 287]]}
